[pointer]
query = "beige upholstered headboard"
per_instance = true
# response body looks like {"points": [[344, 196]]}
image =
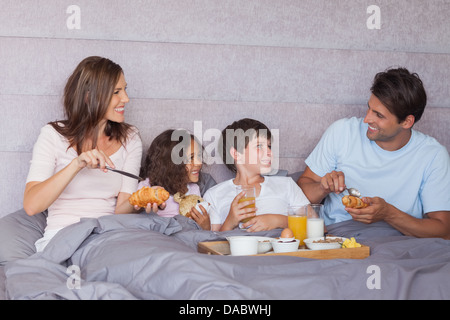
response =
{"points": [[295, 65]]}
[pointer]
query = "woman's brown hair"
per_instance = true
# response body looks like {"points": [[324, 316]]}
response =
{"points": [[165, 161], [87, 94]]}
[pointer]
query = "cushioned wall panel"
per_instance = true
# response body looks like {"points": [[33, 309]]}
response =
{"points": [[13, 174], [295, 65], [219, 72], [405, 25]]}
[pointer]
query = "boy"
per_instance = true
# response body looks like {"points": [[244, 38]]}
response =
{"points": [[246, 151]]}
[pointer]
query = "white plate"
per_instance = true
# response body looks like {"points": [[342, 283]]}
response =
{"points": [[322, 246]]}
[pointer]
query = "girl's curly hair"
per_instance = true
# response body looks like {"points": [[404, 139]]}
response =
{"points": [[165, 161]]}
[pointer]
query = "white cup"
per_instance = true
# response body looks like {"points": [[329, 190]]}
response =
{"points": [[243, 245]]}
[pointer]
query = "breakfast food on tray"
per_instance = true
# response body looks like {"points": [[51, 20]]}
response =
{"points": [[147, 195], [287, 233], [347, 243], [351, 243], [353, 202], [328, 240]]}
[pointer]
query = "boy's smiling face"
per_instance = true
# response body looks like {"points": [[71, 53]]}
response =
{"points": [[257, 156]]}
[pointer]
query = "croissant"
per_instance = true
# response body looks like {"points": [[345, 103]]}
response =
{"points": [[353, 202], [147, 195]]}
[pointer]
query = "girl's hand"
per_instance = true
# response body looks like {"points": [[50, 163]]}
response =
{"points": [[94, 159], [202, 219], [152, 207]]}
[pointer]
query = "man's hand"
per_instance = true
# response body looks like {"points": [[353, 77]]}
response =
{"points": [[377, 210], [316, 188], [333, 181]]}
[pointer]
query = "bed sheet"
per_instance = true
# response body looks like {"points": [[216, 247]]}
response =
{"points": [[150, 257]]}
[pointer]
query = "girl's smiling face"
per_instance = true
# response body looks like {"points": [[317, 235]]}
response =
{"points": [[194, 161]]}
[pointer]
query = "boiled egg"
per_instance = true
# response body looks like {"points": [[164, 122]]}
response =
{"points": [[287, 233]]}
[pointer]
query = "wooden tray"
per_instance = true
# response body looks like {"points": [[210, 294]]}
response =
{"points": [[223, 248]]}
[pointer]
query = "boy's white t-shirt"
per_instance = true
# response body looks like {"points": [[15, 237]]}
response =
{"points": [[277, 194]]}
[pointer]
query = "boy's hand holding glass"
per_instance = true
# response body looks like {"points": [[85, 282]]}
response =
{"points": [[249, 195], [241, 210]]}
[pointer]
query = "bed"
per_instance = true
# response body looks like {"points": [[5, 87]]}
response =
{"points": [[144, 256]]}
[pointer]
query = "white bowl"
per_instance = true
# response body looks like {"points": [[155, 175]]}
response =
{"points": [[243, 245], [282, 246], [264, 244], [286, 239], [323, 246]]}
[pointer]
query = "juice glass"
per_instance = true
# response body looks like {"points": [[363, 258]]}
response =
{"points": [[297, 217], [250, 194]]}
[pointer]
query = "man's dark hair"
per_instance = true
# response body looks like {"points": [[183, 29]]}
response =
{"points": [[401, 92]]}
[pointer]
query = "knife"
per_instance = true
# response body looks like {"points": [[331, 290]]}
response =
{"points": [[125, 173]]}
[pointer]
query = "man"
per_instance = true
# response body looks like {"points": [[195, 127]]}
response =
{"points": [[402, 174]]}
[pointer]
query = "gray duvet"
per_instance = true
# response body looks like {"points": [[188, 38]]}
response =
{"points": [[143, 256]]}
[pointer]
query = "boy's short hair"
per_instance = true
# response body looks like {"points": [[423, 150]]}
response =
{"points": [[237, 135], [401, 92]]}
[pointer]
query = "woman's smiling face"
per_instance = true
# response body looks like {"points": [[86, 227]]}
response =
{"points": [[116, 107]]}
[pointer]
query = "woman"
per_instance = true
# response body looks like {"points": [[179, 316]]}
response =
{"points": [[67, 173]]}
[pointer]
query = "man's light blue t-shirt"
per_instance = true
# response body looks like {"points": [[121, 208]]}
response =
{"points": [[415, 178]]}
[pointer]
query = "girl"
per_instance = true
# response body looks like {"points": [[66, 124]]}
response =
{"points": [[67, 173], [247, 152], [174, 162]]}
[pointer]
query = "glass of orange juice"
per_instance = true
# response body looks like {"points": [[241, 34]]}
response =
{"points": [[297, 217], [250, 194]]}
